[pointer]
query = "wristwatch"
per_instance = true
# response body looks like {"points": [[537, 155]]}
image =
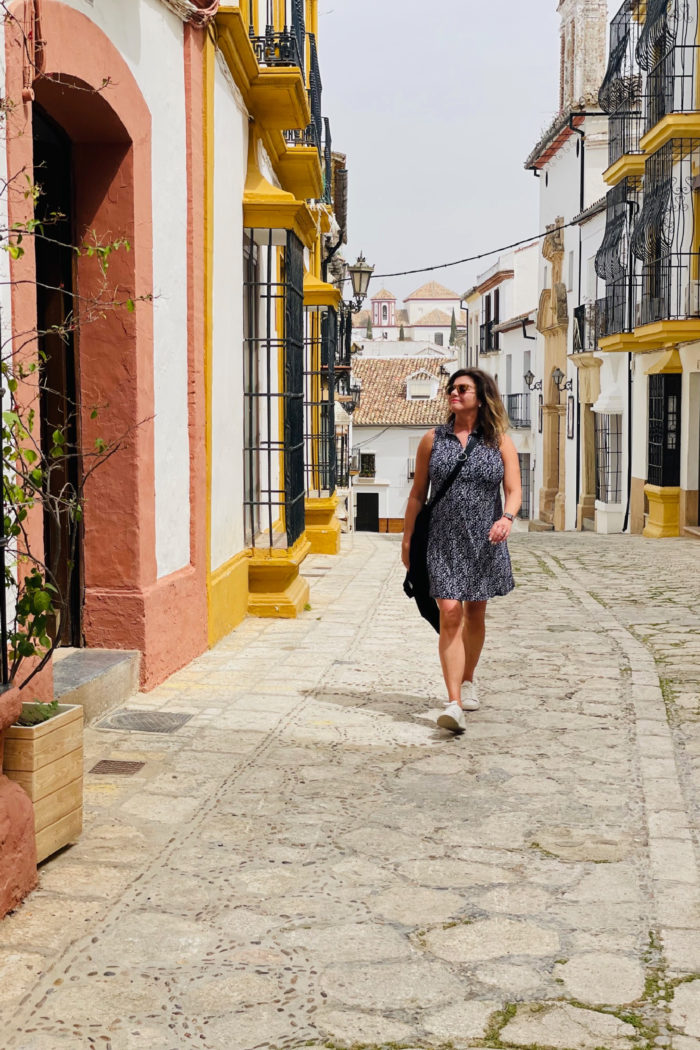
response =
{"points": [[511, 517]]}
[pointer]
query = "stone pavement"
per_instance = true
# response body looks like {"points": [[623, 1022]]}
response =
{"points": [[308, 862]]}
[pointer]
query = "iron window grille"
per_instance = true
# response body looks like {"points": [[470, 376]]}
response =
{"points": [[368, 465], [664, 444], [320, 340], [525, 482], [518, 408], [315, 89], [488, 339], [273, 388], [342, 456], [664, 235], [620, 95], [299, 29], [615, 263], [302, 136], [608, 458], [343, 352], [584, 328], [667, 51]]}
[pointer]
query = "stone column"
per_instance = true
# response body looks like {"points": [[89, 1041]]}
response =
{"points": [[553, 323], [589, 391]]}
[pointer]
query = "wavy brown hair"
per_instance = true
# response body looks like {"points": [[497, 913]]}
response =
{"points": [[492, 417]]}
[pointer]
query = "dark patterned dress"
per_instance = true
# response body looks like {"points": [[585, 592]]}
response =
{"points": [[462, 563]]}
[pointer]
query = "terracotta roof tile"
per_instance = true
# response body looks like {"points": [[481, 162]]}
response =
{"points": [[383, 400], [435, 317], [432, 290]]}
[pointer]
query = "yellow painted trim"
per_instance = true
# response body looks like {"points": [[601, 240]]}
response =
{"points": [[275, 96], [278, 98], [631, 165], [664, 511], [669, 364], [322, 525], [660, 335], [268, 207], [276, 588], [228, 596], [672, 126], [299, 170], [319, 293], [621, 343], [209, 67]]}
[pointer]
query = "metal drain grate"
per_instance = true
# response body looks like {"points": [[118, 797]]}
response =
{"points": [[144, 721], [116, 767]]}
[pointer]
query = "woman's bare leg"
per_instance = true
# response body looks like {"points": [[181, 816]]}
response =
{"points": [[473, 634], [451, 647]]}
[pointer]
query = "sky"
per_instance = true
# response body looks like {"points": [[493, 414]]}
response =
{"points": [[437, 104]]}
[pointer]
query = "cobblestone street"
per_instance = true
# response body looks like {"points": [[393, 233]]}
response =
{"points": [[309, 862]]}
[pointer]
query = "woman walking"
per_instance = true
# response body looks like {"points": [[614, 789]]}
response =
{"points": [[468, 560]]}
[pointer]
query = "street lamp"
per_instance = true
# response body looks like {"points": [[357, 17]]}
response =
{"points": [[529, 378], [360, 274], [557, 376]]}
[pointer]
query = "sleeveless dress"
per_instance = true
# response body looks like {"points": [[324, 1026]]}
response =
{"points": [[462, 564]]}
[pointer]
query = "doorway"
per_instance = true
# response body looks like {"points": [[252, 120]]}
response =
{"points": [[367, 516], [59, 407]]}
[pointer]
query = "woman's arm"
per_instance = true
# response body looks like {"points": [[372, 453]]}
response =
{"points": [[419, 493], [512, 488]]}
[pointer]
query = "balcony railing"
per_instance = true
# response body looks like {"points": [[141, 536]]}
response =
{"points": [[315, 89], [664, 236], [302, 137], [667, 52], [327, 162], [518, 409], [614, 263], [277, 48], [621, 92], [488, 339], [584, 328]]}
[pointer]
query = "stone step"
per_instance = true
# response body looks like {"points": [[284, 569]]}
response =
{"points": [[536, 525], [692, 532], [588, 524], [99, 679]]}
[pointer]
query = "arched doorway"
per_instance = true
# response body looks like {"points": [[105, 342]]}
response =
{"points": [[59, 403]]}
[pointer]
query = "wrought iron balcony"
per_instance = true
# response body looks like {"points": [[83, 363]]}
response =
{"points": [[277, 48], [620, 94], [518, 409], [584, 328], [327, 162], [668, 52], [302, 137], [315, 89], [664, 236], [615, 264], [488, 339]]}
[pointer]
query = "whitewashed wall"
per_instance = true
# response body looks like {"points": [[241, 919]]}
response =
{"points": [[392, 448], [230, 161], [150, 39]]}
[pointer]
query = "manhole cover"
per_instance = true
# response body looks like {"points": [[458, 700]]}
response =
{"points": [[145, 721], [114, 767]]}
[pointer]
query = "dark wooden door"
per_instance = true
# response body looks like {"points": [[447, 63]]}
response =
{"points": [[367, 511], [56, 314]]}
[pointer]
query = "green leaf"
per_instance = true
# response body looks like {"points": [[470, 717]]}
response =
{"points": [[130, 305]]}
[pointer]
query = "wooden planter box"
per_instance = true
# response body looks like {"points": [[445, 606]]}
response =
{"points": [[47, 760]]}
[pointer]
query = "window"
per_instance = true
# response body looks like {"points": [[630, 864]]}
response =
{"points": [[664, 430], [608, 458], [570, 282], [438, 339], [385, 313], [274, 335], [368, 464], [524, 460]]}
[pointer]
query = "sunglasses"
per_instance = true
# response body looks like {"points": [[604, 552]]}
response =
{"points": [[462, 390]]}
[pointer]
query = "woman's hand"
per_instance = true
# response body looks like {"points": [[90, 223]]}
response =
{"points": [[406, 553], [500, 530]]}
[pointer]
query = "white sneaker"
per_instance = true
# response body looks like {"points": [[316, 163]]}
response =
{"points": [[470, 700], [452, 718]]}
